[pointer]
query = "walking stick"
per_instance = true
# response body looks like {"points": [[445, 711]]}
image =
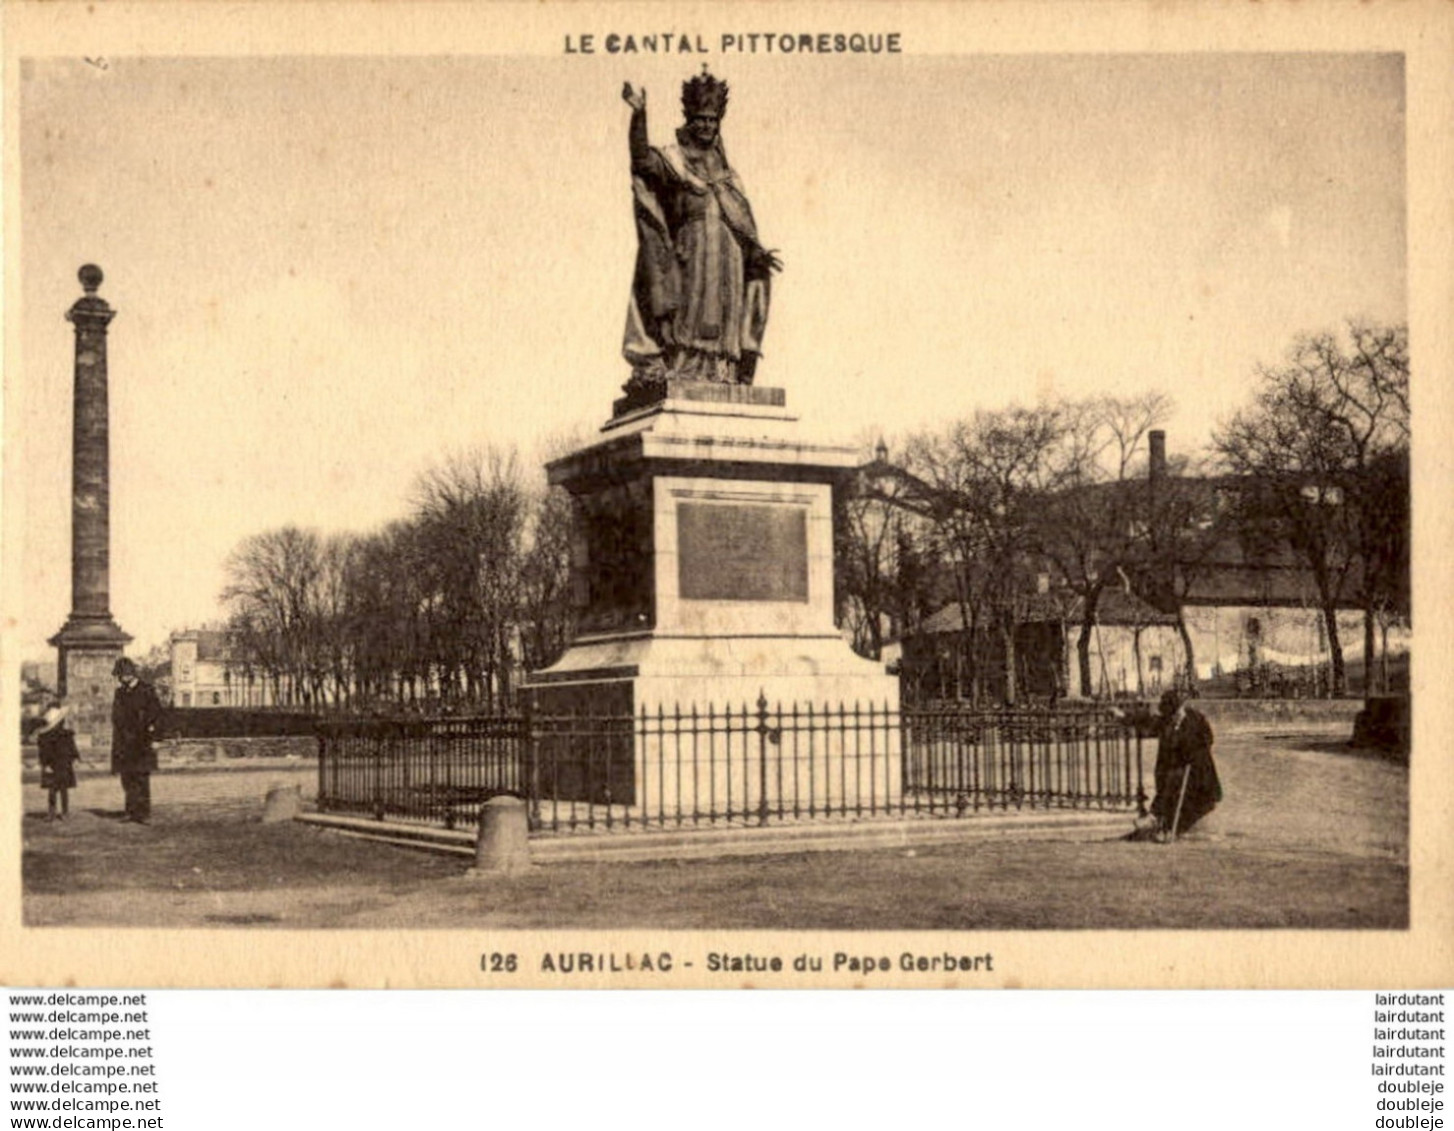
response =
{"points": [[1180, 799]]}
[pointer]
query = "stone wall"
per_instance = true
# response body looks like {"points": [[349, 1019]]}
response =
{"points": [[231, 751], [1250, 714]]}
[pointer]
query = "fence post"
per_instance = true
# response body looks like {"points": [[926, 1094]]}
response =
{"points": [[502, 845], [377, 746], [906, 777], [531, 775], [322, 758], [283, 802], [762, 757]]}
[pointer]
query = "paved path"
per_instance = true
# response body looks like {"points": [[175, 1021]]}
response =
{"points": [[1306, 790]]}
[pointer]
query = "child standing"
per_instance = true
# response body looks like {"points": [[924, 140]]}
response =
{"points": [[58, 755]]}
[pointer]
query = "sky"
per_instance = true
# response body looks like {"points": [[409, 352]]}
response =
{"points": [[330, 273]]}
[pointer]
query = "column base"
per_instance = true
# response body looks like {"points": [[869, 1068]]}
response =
{"points": [[87, 647]]}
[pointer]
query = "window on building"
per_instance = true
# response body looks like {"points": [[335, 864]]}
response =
{"points": [[216, 699], [186, 699]]}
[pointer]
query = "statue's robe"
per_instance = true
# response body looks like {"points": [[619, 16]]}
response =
{"points": [[700, 296]]}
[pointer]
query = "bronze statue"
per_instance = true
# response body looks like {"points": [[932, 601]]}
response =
{"points": [[699, 299]]}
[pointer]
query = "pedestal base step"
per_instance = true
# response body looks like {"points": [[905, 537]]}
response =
{"points": [[750, 840]]}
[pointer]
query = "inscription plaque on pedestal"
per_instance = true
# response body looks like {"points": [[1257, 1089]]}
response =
{"points": [[735, 552]]}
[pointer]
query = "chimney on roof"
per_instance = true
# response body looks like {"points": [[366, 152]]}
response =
{"points": [[1157, 470]]}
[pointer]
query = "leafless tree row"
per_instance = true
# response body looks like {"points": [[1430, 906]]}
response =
{"points": [[443, 607]]}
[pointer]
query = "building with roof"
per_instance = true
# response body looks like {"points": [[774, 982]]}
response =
{"points": [[1244, 618], [1250, 603], [204, 670], [1229, 600]]}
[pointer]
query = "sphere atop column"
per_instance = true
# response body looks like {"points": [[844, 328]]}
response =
{"points": [[91, 277]]}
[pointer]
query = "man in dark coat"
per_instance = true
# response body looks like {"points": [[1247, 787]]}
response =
{"points": [[700, 294], [1183, 755], [135, 715]]}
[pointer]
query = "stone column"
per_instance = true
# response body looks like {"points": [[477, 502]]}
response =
{"points": [[90, 641]]}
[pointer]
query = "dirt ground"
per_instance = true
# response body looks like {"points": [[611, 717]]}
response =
{"points": [[1311, 835]]}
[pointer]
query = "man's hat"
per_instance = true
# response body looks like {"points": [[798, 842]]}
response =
{"points": [[703, 94]]}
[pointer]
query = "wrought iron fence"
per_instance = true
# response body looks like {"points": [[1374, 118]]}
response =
{"points": [[753, 765], [438, 771]]}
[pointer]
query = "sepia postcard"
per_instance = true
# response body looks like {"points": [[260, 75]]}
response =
{"points": [[727, 496]]}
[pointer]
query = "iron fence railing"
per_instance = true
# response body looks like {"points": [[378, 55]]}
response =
{"points": [[751, 765]]}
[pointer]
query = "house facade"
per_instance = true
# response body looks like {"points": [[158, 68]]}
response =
{"points": [[1249, 606], [1135, 650], [205, 672]]}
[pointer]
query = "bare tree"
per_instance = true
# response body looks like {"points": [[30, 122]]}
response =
{"points": [[867, 530], [472, 511], [1187, 523], [937, 484], [978, 486], [388, 608], [271, 596], [1387, 595], [447, 604], [1092, 525], [333, 628], [1310, 448], [1014, 457]]}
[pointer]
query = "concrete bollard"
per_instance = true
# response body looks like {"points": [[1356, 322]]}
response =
{"points": [[503, 847], [283, 803]]}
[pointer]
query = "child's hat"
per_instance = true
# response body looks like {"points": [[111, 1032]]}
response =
{"points": [[53, 718]]}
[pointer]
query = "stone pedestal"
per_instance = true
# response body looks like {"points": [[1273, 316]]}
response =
{"points": [[703, 569], [284, 801]]}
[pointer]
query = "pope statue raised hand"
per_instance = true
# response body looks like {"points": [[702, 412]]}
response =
{"points": [[699, 298]]}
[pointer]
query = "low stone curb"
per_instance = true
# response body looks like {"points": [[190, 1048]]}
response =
{"points": [[696, 844]]}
